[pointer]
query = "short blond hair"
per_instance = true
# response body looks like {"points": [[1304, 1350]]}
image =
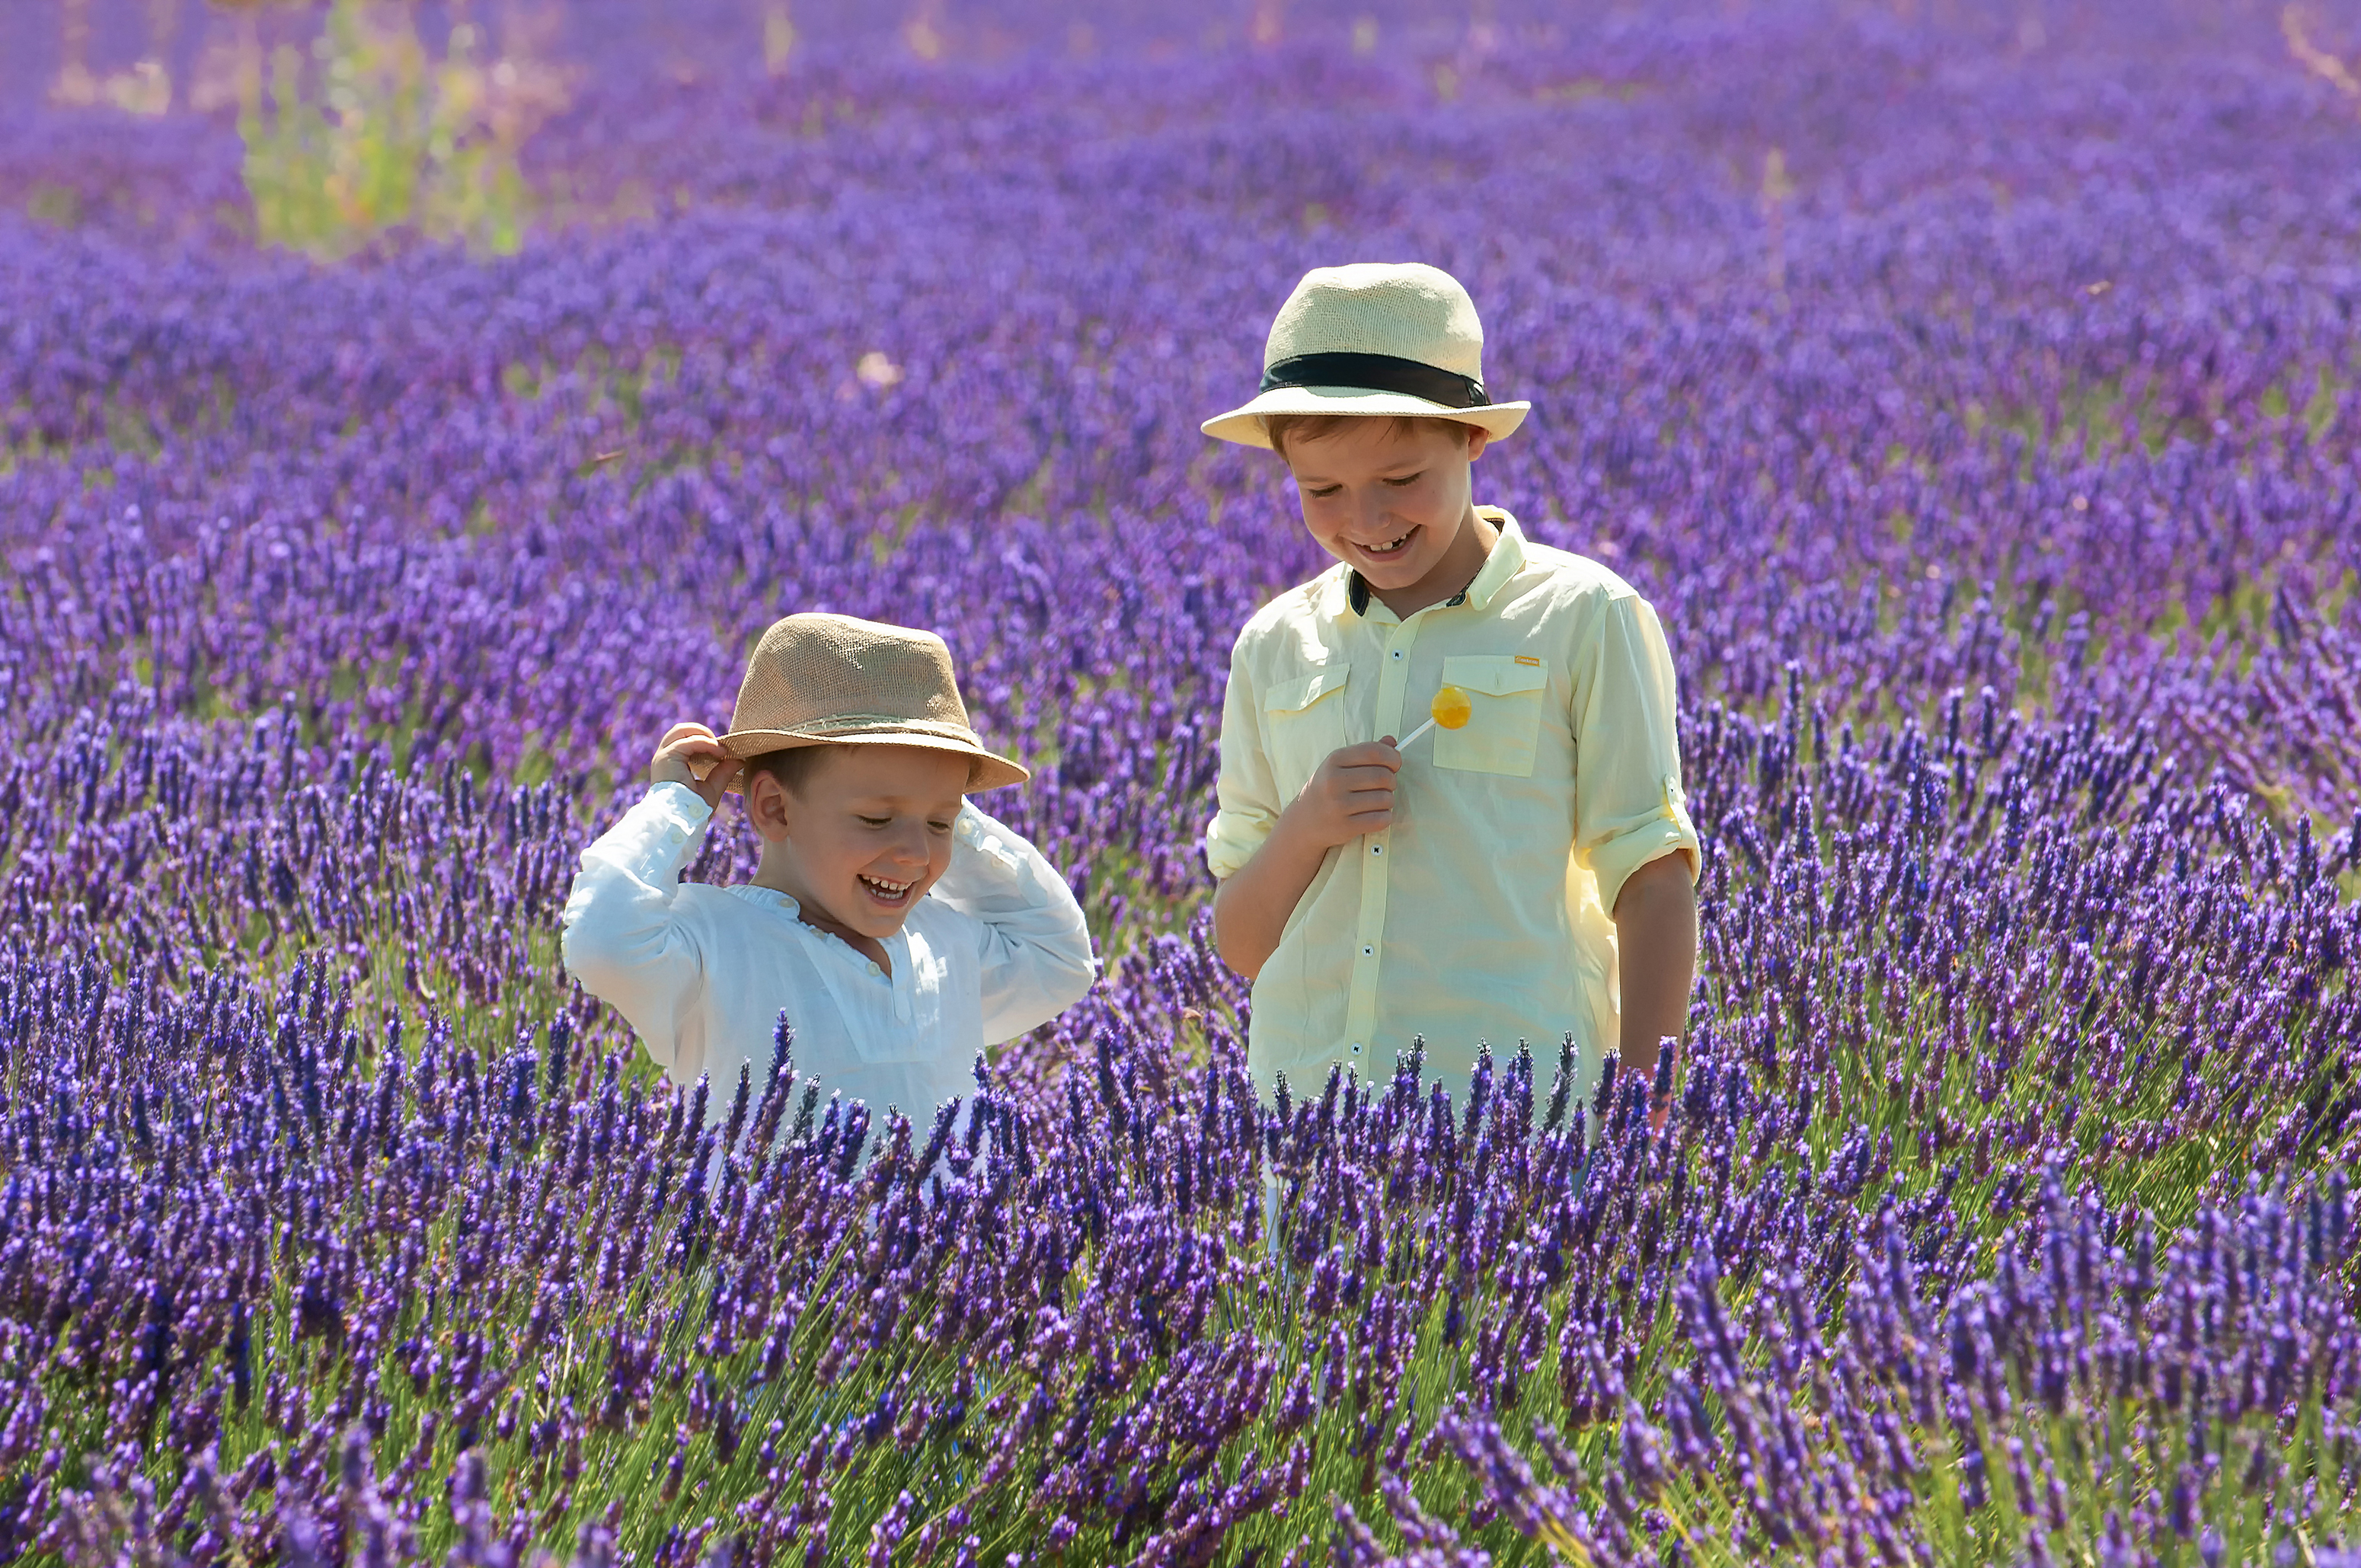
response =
{"points": [[1312, 427]]}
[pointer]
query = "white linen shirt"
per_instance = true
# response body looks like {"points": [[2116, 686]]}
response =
{"points": [[1482, 914], [996, 947]]}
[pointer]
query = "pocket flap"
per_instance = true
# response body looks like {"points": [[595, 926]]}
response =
{"points": [[1494, 674], [1302, 691]]}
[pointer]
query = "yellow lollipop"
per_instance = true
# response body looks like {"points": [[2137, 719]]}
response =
{"points": [[1450, 708]]}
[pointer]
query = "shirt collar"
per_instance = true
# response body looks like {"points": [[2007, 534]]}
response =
{"points": [[1507, 559], [787, 904]]}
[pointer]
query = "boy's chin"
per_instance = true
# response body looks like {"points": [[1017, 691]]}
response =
{"points": [[1420, 556], [859, 916], [1406, 573], [1393, 573]]}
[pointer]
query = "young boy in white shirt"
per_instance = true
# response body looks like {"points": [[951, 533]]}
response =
{"points": [[898, 928], [1526, 872]]}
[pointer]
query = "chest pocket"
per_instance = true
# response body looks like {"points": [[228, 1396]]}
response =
{"points": [[1304, 719], [1507, 696]]}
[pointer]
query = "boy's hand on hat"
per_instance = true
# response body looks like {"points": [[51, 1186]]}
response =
{"points": [[691, 754], [1352, 794]]}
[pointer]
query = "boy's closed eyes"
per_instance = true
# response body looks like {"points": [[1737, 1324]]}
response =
{"points": [[1320, 489]]}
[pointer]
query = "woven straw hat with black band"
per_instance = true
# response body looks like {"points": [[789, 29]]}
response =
{"points": [[1376, 338], [833, 680]]}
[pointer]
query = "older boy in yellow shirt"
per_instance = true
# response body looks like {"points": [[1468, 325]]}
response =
{"points": [[1525, 875]]}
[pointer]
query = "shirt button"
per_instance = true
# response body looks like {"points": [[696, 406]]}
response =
{"points": [[1377, 848], [1397, 652], [1368, 952], [1356, 1047]]}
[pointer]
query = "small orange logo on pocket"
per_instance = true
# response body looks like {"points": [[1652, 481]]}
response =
{"points": [[1529, 659]]}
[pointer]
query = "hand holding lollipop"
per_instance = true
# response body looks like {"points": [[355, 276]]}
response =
{"points": [[1450, 708]]}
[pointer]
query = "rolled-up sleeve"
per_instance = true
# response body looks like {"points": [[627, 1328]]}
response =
{"points": [[1033, 946], [1630, 808], [1247, 795]]}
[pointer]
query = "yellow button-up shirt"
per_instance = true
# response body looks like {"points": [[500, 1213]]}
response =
{"points": [[1482, 913]]}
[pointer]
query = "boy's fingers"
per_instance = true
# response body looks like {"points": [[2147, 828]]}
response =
{"points": [[692, 750], [698, 756], [1373, 754]]}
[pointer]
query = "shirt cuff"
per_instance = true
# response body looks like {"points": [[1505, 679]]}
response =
{"points": [[1232, 838], [669, 824]]}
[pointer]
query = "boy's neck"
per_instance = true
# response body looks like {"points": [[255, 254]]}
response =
{"points": [[1453, 570], [778, 872]]}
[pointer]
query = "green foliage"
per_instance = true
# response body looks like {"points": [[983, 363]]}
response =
{"points": [[380, 135]]}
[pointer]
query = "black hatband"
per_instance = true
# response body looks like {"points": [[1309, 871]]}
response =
{"points": [[1378, 373]]}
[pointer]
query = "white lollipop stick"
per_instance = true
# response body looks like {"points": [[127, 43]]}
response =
{"points": [[1403, 744]]}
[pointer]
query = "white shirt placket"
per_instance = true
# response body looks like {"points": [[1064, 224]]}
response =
{"points": [[1369, 934], [905, 979]]}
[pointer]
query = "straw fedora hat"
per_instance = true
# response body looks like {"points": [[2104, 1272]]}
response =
{"points": [[832, 680], [1373, 338]]}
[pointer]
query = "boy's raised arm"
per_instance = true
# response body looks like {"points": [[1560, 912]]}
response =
{"points": [[620, 939], [1035, 947]]}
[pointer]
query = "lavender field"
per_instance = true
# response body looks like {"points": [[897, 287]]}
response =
{"points": [[1974, 387]]}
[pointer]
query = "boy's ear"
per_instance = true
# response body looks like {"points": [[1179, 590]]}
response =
{"points": [[769, 805], [1478, 438]]}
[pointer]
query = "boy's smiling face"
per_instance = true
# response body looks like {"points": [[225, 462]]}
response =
{"points": [[864, 835], [1392, 499]]}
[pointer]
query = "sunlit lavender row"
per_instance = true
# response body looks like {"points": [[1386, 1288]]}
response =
{"points": [[1974, 391]]}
